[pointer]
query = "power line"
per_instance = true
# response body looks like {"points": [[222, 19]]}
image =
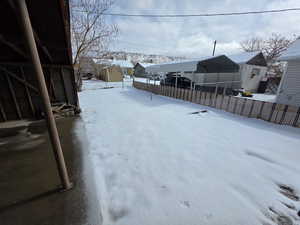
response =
{"points": [[204, 14]]}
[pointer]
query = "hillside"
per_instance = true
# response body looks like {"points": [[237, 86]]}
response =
{"points": [[140, 57]]}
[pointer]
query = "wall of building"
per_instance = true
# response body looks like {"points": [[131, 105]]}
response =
{"points": [[249, 82], [21, 100], [289, 89], [111, 74], [139, 71]]}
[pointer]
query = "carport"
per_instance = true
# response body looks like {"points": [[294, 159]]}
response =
{"points": [[36, 65], [212, 70]]}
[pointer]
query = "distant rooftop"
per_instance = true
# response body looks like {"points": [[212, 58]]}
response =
{"points": [[243, 57], [146, 64], [122, 63]]}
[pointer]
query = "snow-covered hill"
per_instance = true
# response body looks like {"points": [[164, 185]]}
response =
{"points": [[140, 57]]}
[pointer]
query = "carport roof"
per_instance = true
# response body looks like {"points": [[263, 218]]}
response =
{"points": [[215, 64], [50, 21]]}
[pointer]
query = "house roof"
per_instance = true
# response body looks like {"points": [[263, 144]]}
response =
{"points": [[293, 51], [243, 57], [122, 63], [144, 64], [203, 65]]}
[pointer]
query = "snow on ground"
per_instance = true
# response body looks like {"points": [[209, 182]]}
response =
{"points": [[156, 163], [262, 97], [146, 80]]}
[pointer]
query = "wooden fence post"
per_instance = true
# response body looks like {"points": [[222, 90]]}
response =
{"points": [[228, 103], [243, 106], [251, 108], [235, 104], [261, 110], [272, 111], [283, 114], [296, 118]]}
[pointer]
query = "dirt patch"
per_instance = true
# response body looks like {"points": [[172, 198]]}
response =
{"points": [[198, 112]]}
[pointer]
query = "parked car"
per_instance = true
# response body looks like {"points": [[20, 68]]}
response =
{"points": [[182, 82]]}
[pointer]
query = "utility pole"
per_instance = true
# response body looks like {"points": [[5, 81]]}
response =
{"points": [[215, 44]]}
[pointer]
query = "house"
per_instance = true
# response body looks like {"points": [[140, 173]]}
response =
{"points": [[289, 89], [205, 73], [253, 68], [125, 65], [139, 69], [111, 73]]}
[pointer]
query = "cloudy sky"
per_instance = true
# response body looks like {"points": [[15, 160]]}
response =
{"points": [[194, 37]]}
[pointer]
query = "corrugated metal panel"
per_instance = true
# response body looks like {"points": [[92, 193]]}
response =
{"points": [[289, 92]]}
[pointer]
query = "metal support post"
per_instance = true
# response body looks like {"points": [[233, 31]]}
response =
{"points": [[53, 133]]}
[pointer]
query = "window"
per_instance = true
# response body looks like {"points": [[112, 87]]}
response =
{"points": [[255, 72]]}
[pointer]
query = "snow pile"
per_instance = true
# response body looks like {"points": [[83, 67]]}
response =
{"points": [[156, 163]]}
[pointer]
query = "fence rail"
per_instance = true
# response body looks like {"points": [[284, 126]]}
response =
{"points": [[268, 111]]}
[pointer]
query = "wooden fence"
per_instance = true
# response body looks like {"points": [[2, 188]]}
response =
{"points": [[271, 112]]}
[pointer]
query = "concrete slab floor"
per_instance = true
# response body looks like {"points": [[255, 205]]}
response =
{"points": [[29, 182]]}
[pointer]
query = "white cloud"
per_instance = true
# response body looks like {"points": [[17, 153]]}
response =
{"points": [[194, 37]]}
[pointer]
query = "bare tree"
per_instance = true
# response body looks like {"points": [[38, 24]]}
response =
{"points": [[90, 31], [275, 45], [272, 47], [252, 45]]}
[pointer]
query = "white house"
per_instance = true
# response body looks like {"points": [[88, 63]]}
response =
{"points": [[289, 89], [253, 68]]}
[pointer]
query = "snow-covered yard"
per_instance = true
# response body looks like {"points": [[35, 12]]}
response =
{"points": [[158, 164]]}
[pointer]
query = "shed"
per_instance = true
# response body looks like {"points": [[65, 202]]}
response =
{"points": [[139, 69], [111, 74], [253, 68], [289, 89], [203, 72], [125, 65]]}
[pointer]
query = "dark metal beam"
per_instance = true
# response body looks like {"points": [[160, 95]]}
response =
{"points": [[2, 111], [62, 77], [29, 64], [13, 95], [13, 46], [37, 39], [28, 93], [7, 72]]}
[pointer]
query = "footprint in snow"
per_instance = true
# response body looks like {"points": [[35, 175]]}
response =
{"points": [[186, 204]]}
